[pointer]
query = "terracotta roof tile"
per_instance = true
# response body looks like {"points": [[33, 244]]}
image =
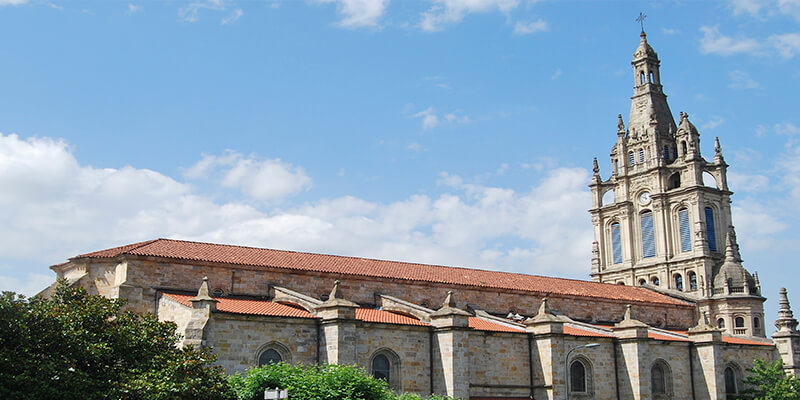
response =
{"points": [[735, 340], [247, 307], [669, 338], [484, 325], [575, 331], [385, 317], [238, 255]]}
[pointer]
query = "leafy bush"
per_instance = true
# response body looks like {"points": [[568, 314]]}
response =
{"points": [[77, 346], [326, 382], [768, 381]]}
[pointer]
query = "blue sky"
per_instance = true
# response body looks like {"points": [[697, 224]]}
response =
{"points": [[457, 132]]}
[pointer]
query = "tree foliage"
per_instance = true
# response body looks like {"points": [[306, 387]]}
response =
{"points": [[84, 347], [325, 382], [768, 381]]}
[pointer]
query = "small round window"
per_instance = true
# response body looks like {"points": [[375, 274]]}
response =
{"points": [[269, 356]]}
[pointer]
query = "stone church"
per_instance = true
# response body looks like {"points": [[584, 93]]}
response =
{"points": [[670, 312]]}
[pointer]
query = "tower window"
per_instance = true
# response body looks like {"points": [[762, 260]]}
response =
{"points": [[679, 282], [710, 232], [721, 323], [655, 281], [666, 152], [631, 158], [683, 148], [738, 322], [616, 166], [641, 78], [692, 280], [652, 78], [756, 326], [641, 155], [616, 243], [648, 235], [686, 230], [642, 282]]}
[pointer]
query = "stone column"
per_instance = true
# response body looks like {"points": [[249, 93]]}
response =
{"points": [[202, 307], [451, 349], [338, 328], [634, 378], [548, 346], [707, 363], [787, 338]]}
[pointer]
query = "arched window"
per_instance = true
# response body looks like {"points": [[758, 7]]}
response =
{"points": [[641, 78], [733, 381], [652, 78], [577, 377], [678, 282], [616, 243], [683, 148], [661, 380], [738, 322], [641, 155], [666, 152], [711, 233], [272, 353], [608, 198], [685, 229], [648, 235], [721, 323], [631, 158], [616, 166], [655, 281], [642, 282], [674, 181], [385, 365], [756, 326], [692, 280]]}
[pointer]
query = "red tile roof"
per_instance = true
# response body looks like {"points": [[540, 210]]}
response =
{"points": [[575, 331], [267, 258], [248, 307], [735, 340], [385, 317], [483, 325], [668, 338]]}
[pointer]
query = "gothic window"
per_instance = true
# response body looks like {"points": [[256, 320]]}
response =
{"points": [[641, 155], [386, 365], [577, 377], [655, 281], [732, 381], [685, 229], [273, 353], [648, 235], [616, 243], [721, 323], [631, 158], [666, 152], [661, 380], [692, 280], [710, 232], [678, 282], [641, 77], [738, 322]]}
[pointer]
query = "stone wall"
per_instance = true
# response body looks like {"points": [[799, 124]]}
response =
{"points": [[410, 344]]}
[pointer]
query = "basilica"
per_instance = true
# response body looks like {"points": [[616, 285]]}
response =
{"points": [[670, 311]]}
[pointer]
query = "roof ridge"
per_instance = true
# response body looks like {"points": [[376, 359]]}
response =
{"points": [[122, 249]]}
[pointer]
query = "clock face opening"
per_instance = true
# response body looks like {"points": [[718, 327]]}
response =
{"points": [[644, 198]]}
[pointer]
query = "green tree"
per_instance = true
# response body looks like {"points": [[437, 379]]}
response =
{"points": [[768, 381], [79, 346]]}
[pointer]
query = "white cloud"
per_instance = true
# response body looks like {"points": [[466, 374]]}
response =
{"points": [[751, 7], [414, 146], [259, 179], [790, 7], [446, 12], [56, 6], [190, 12], [714, 122], [742, 80], [556, 74], [454, 118], [12, 2], [670, 31], [787, 45], [429, 118], [526, 28], [713, 42], [30, 285], [59, 208], [233, 16], [748, 182], [787, 128], [133, 8], [359, 13]]}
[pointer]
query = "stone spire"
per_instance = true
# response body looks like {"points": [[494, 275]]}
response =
{"points": [[620, 125], [718, 159], [786, 321], [203, 294]]}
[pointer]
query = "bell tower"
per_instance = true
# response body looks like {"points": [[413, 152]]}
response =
{"points": [[662, 219]]}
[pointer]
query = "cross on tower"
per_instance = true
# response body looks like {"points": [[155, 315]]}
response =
{"points": [[640, 19]]}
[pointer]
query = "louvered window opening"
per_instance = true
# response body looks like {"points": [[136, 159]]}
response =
{"points": [[641, 155], [616, 243], [631, 158], [710, 232], [686, 232], [648, 235]]}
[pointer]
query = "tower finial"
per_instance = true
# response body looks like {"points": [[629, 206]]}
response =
{"points": [[785, 321], [595, 167], [620, 125], [640, 20]]}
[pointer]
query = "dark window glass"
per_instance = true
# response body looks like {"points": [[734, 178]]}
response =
{"points": [[692, 281], [739, 322], [648, 235], [730, 381], [686, 230], [710, 232], [269, 357], [380, 367], [616, 243], [659, 384], [641, 155], [666, 152], [721, 323], [756, 325], [678, 282], [577, 377]]}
